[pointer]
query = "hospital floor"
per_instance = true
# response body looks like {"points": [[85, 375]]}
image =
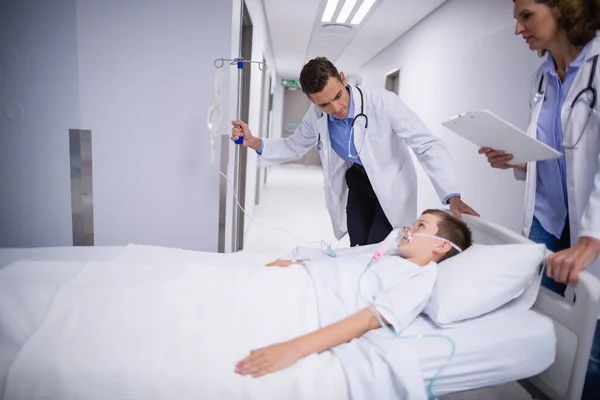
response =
{"points": [[293, 198]]}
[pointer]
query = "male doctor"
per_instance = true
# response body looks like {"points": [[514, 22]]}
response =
{"points": [[362, 135]]}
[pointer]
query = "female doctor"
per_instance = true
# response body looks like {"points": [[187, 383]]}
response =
{"points": [[363, 136], [562, 205]]}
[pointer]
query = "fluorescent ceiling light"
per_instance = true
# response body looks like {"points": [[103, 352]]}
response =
{"points": [[329, 10], [362, 11], [346, 10]]}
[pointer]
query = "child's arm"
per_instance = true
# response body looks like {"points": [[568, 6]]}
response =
{"points": [[279, 356], [284, 263]]}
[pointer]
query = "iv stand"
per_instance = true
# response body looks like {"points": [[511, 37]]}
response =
{"points": [[219, 63]]}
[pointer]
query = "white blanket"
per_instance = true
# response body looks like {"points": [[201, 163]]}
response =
{"points": [[127, 330], [27, 289], [156, 323]]}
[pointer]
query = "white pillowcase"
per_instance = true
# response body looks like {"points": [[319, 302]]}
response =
{"points": [[485, 278]]}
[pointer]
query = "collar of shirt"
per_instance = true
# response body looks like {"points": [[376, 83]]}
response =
{"points": [[550, 68], [350, 116]]}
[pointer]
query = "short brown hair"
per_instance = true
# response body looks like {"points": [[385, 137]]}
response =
{"points": [[316, 73], [453, 229], [579, 18]]}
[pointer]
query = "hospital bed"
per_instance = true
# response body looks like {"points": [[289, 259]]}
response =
{"points": [[545, 348]]}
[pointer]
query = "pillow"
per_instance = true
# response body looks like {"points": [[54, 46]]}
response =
{"points": [[484, 278]]}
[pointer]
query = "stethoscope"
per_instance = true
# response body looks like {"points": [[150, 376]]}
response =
{"points": [[591, 103], [356, 117]]}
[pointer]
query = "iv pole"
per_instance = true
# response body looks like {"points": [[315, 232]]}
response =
{"points": [[219, 63]]}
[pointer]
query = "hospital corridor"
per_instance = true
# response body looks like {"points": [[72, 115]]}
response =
{"points": [[299, 200]]}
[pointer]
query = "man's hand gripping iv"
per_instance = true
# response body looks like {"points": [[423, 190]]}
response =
{"points": [[240, 130]]}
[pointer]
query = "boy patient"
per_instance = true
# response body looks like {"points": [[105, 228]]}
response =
{"points": [[395, 277]]}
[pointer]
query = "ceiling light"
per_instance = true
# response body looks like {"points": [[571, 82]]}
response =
{"points": [[346, 10], [362, 11], [329, 10]]}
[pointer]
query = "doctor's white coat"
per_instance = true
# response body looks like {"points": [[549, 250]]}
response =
{"points": [[383, 149], [583, 163]]}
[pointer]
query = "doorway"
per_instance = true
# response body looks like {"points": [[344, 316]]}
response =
{"points": [[269, 124], [295, 106], [392, 81], [238, 233], [264, 124], [245, 53]]}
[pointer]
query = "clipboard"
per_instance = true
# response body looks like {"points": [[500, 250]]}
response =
{"points": [[485, 129]]}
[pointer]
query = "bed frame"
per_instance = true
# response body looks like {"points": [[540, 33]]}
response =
{"points": [[574, 323]]}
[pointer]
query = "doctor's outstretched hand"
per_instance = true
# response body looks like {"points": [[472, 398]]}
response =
{"points": [[457, 207], [240, 130], [565, 266]]}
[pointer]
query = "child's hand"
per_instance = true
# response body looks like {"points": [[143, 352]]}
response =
{"points": [[268, 360], [283, 263]]}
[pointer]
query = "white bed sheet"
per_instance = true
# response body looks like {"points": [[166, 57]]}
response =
{"points": [[82, 254], [26, 293], [128, 356], [490, 351]]}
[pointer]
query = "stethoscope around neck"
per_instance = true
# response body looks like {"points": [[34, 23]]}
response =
{"points": [[361, 114], [579, 97]]}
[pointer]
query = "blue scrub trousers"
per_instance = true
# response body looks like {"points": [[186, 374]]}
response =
{"points": [[591, 389]]}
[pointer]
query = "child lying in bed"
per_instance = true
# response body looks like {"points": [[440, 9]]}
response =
{"points": [[399, 286]]}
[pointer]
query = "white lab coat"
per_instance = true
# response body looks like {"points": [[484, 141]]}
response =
{"points": [[383, 149], [582, 163]]}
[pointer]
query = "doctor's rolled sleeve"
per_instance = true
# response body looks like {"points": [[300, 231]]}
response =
{"points": [[451, 195], [519, 175], [262, 146], [429, 149]]}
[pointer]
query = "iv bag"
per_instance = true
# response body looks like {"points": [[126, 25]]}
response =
{"points": [[214, 115], [213, 119]]}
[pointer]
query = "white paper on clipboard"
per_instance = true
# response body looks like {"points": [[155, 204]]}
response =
{"points": [[485, 129]]}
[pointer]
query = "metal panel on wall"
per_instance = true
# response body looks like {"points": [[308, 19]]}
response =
{"points": [[82, 199]]}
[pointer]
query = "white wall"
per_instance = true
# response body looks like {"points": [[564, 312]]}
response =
{"points": [[146, 70], [462, 57], [139, 74], [38, 105]]}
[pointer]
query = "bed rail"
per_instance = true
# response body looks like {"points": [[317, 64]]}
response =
{"points": [[574, 320]]}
